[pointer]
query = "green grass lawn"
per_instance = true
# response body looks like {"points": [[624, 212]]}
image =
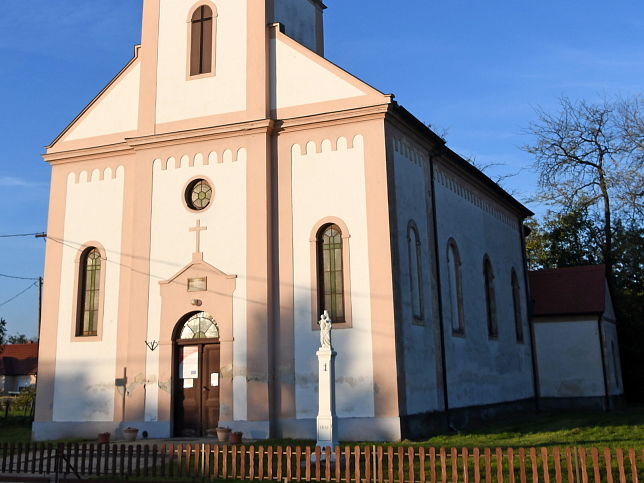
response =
{"points": [[619, 429], [623, 429]]}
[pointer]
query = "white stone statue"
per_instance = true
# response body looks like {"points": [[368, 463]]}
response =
{"points": [[325, 331]]}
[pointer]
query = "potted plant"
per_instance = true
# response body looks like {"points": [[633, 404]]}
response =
{"points": [[103, 438], [223, 434], [130, 433], [236, 437]]}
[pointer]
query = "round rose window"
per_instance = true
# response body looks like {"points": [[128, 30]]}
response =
{"points": [[198, 194]]}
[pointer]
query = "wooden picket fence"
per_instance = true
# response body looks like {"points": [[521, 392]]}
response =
{"points": [[360, 464]]}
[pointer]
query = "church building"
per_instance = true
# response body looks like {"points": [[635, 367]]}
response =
{"points": [[223, 190]]}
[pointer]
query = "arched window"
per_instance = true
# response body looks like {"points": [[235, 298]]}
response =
{"points": [[201, 41], [330, 272], [89, 288], [415, 271], [200, 326], [490, 300], [455, 288], [516, 301]]}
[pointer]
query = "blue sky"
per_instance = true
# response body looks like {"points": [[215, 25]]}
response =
{"points": [[476, 69]]}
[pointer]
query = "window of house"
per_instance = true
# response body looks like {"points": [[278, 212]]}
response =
{"points": [[89, 292], [201, 41], [516, 301], [330, 272], [415, 271], [490, 300], [455, 285]]}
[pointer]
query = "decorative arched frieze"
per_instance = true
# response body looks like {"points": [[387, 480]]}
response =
{"points": [[327, 145], [199, 159]]}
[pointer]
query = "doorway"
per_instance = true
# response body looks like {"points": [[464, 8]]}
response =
{"points": [[196, 375]]}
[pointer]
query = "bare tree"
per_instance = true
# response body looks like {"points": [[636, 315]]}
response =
{"points": [[591, 155]]}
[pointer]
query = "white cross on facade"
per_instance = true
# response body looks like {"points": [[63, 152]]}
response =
{"points": [[198, 229]]}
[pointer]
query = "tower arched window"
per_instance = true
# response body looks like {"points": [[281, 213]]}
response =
{"points": [[89, 292], [516, 303], [330, 263], [455, 286], [490, 299], [202, 38], [415, 271]]}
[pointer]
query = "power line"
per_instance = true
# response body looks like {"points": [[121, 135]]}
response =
{"points": [[17, 278], [23, 235], [18, 295]]}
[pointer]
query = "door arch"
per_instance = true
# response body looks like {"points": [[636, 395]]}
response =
{"points": [[196, 369]]}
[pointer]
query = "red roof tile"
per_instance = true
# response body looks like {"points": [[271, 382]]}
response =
{"points": [[19, 359], [568, 291]]}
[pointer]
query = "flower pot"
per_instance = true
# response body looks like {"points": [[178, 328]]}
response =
{"points": [[103, 438], [129, 434], [223, 434], [236, 437]]}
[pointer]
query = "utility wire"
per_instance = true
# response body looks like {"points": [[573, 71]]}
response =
{"points": [[17, 278], [17, 295], [22, 235]]}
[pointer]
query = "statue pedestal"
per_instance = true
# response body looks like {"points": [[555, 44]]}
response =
{"points": [[326, 420]]}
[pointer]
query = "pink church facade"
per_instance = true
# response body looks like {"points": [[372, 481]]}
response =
{"points": [[228, 185]]}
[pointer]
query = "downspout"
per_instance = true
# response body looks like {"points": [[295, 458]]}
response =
{"points": [[440, 292], [528, 310], [601, 348]]}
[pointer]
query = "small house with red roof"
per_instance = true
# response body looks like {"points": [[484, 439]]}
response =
{"points": [[575, 338], [18, 367]]}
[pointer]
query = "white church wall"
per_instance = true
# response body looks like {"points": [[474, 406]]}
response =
{"points": [[423, 393], [223, 243], [569, 358], [329, 181], [117, 110], [482, 371], [84, 374], [180, 97], [300, 79], [299, 20]]}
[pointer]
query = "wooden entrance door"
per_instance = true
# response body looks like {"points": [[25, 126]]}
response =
{"points": [[197, 388]]}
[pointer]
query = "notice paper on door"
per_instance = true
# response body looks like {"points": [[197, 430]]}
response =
{"points": [[214, 379], [188, 383], [189, 368]]}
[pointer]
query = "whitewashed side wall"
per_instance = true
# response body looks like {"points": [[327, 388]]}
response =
{"points": [[613, 364], [569, 358], [84, 375], [332, 183], [223, 244], [299, 20], [421, 355], [179, 97], [482, 371]]}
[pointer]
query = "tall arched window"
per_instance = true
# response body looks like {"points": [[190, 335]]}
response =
{"points": [[415, 271], [490, 300], [201, 41], [330, 272], [516, 301], [89, 288], [455, 288]]}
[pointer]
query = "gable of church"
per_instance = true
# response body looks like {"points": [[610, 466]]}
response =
{"points": [[160, 91]]}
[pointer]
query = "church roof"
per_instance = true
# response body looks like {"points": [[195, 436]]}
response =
{"points": [[19, 359], [568, 291]]}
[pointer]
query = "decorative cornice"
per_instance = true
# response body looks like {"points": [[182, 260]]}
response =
{"points": [[300, 123], [131, 145]]}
